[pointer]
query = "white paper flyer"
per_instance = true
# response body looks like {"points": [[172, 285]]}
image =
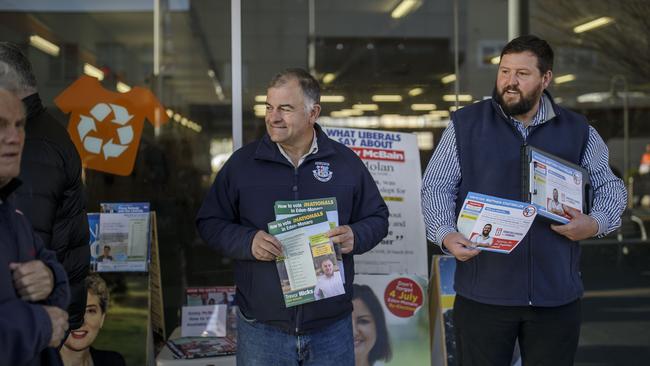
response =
{"points": [[494, 224]]}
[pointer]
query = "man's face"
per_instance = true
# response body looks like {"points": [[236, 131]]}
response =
{"points": [[287, 123], [328, 268], [520, 84], [107, 251], [486, 229], [12, 136]]}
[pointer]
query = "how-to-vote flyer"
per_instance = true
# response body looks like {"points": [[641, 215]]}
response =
{"points": [[308, 269], [285, 209], [494, 224]]}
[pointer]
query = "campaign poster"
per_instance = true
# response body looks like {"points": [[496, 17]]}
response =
{"points": [[124, 234], [390, 320], [393, 160]]}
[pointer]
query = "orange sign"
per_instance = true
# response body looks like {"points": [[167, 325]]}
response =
{"points": [[106, 126]]}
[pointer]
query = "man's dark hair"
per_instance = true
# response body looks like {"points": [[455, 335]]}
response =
{"points": [[19, 66], [535, 45], [308, 84], [382, 349]]}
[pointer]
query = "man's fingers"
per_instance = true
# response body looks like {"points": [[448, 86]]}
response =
{"points": [[562, 229], [272, 247], [336, 231], [266, 247]]}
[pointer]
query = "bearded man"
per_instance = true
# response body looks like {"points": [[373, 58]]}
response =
{"points": [[532, 294]]}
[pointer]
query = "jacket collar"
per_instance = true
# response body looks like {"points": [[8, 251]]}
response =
{"points": [[33, 105], [268, 150], [7, 190]]}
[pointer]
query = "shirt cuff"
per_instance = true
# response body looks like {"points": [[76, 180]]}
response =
{"points": [[603, 223], [441, 234]]}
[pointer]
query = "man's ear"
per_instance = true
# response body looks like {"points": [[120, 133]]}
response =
{"points": [[314, 113], [546, 78]]}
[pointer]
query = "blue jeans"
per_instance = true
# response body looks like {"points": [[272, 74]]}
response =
{"points": [[261, 344]]}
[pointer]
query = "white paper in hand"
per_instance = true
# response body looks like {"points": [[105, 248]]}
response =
{"points": [[494, 224]]}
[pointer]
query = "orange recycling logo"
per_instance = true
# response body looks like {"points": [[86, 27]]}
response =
{"points": [[105, 126]]}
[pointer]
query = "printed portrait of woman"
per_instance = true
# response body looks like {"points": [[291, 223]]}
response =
{"points": [[77, 350], [371, 340]]}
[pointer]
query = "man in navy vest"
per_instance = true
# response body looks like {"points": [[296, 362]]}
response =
{"points": [[532, 294]]}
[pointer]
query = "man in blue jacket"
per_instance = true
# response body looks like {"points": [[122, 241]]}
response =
{"points": [[294, 160], [532, 294], [33, 285]]}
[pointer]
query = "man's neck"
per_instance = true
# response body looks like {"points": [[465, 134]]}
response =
{"points": [[295, 152]]}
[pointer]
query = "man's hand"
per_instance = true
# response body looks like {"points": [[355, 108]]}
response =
{"points": [[580, 227], [343, 236], [59, 320], [266, 247], [460, 247], [33, 280]]}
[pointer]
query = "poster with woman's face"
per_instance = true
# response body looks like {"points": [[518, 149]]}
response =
{"points": [[390, 320]]}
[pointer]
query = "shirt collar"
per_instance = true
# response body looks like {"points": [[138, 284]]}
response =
{"points": [[8, 189], [312, 150]]}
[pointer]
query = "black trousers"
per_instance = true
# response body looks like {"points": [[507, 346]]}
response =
{"points": [[486, 334]]}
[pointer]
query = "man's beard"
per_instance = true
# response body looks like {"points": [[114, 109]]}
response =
{"points": [[523, 106]]}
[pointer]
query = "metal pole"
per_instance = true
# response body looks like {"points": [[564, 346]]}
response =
{"points": [[157, 80], [311, 57], [513, 19], [235, 24]]}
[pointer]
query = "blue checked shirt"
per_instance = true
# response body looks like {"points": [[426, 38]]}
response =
{"points": [[442, 178]]}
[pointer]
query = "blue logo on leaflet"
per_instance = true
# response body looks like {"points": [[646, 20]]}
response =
{"points": [[529, 211], [322, 171]]}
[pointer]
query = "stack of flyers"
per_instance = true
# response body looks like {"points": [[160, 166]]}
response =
{"points": [[285, 209], [201, 347], [308, 269]]}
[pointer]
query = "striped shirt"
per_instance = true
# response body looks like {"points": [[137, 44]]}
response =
{"points": [[442, 179]]}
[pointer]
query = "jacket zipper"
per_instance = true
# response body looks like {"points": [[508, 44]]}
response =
{"points": [[294, 188]]}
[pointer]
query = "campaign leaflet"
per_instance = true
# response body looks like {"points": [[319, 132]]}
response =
{"points": [[308, 269], [285, 209], [124, 230], [554, 186], [494, 224]]}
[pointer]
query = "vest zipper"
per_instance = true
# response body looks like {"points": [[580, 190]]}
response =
{"points": [[530, 249]]}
